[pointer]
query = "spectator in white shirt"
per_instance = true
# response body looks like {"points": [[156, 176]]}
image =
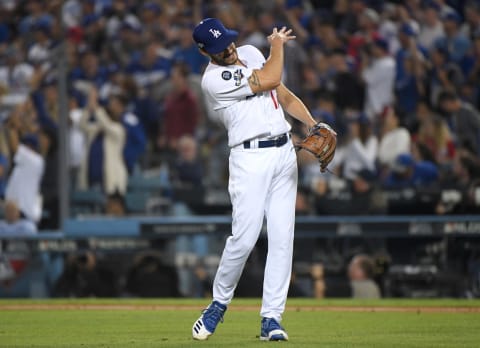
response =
{"points": [[14, 223], [432, 27], [77, 141], [378, 72], [23, 186], [395, 139], [15, 76], [361, 152], [39, 52]]}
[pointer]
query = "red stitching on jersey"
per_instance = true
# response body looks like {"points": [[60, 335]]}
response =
{"points": [[275, 102]]}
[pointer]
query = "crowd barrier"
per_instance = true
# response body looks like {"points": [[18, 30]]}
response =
{"points": [[136, 232]]}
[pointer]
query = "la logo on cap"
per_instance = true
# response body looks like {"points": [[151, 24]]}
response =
{"points": [[211, 35], [216, 33]]}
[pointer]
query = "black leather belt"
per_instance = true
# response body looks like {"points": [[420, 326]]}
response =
{"points": [[275, 142]]}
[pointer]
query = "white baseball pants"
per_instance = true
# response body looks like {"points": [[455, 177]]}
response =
{"points": [[263, 183]]}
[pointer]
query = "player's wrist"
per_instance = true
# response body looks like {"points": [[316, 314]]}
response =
{"points": [[311, 123], [276, 42]]}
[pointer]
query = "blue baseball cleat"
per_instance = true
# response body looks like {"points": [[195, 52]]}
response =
{"points": [[272, 331], [208, 321]]}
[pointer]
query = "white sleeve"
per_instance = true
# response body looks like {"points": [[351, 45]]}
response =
{"points": [[22, 155], [27, 157], [227, 85], [371, 75], [365, 154], [403, 142]]}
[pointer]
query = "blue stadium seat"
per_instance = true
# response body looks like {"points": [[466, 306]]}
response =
{"points": [[87, 202], [145, 183], [136, 202]]}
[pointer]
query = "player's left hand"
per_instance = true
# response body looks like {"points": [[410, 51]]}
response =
{"points": [[282, 35], [321, 140]]}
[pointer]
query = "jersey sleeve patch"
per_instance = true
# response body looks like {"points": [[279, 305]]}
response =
{"points": [[238, 76], [226, 75], [226, 85]]}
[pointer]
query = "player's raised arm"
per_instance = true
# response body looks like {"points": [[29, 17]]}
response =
{"points": [[270, 76]]}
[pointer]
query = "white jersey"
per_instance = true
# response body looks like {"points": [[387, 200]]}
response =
{"points": [[244, 114], [380, 78], [23, 185], [262, 181]]}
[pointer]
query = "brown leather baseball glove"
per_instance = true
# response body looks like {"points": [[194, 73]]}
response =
{"points": [[321, 140]]}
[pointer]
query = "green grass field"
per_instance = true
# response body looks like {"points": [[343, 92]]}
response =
{"points": [[310, 323]]}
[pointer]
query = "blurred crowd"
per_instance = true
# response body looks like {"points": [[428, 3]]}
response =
{"points": [[398, 80]]}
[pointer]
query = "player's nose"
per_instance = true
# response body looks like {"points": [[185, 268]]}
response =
{"points": [[229, 50]]}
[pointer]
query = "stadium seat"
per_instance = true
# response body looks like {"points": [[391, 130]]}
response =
{"points": [[136, 202], [87, 202]]}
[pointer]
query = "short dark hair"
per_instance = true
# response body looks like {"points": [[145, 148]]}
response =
{"points": [[339, 50], [324, 95], [446, 95], [183, 68], [366, 264], [121, 97], [117, 197]]}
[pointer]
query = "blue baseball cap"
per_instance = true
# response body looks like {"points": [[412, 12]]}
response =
{"points": [[452, 16], [362, 118], [289, 4], [42, 25], [31, 140], [90, 19], [433, 5], [212, 36], [407, 29], [403, 162], [152, 6], [381, 42]]}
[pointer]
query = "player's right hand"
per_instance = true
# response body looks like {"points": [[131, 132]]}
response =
{"points": [[282, 35]]}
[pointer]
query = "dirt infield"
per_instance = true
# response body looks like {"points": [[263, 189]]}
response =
{"points": [[166, 307]]}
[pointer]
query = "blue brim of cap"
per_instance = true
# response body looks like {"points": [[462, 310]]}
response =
{"points": [[222, 43]]}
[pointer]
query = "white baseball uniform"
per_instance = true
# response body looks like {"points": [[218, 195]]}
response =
{"points": [[263, 178]]}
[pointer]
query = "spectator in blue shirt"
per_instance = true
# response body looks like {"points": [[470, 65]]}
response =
{"points": [[151, 68], [45, 97], [409, 60], [36, 10], [90, 70], [408, 44], [188, 52], [408, 86], [455, 43], [149, 15], [4, 33], [406, 172]]}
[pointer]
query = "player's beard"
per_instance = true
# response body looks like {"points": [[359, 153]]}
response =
{"points": [[225, 58]]}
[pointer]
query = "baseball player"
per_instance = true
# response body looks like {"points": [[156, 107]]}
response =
{"points": [[246, 94]]}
